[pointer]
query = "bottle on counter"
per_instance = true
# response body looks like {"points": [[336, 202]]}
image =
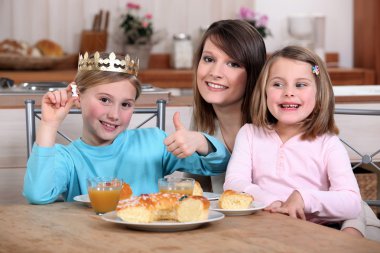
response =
{"points": [[182, 52]]}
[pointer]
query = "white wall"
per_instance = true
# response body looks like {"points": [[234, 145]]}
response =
{"points": [[63, 20]]}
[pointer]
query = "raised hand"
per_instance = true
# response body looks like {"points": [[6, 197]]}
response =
{"points": [[294, 206], [183, 143], [55, 106]]}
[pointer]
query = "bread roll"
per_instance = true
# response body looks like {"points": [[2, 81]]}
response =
{"points": [[13, 47], [163, 206], [49, 48], [197, 191], [126, 192], [233, 200]]}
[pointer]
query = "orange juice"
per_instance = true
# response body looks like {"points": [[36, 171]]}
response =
{"points": [[104, 200]]}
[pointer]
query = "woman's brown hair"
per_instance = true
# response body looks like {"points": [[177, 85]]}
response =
{"points": [[243, 43], [321, 120]]}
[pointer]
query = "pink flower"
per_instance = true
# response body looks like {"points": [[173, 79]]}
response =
{"points": [[133, 6], [259, 21], [263, 21], [144, 24], [148, 16], [246, 13]]}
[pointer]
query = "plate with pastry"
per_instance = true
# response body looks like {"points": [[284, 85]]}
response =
{"points": [[163, 212], [236, 203]]}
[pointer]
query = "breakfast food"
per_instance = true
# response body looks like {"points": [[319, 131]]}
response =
{"points": [[15, 47], [49, 48], [126, 191], [197, 190], [163, 206], [235, 200]]}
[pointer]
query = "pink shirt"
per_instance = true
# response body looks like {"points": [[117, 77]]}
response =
{"points": [[262, 165]]}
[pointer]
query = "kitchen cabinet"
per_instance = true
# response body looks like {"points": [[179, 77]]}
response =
{"points": [[367, 36]]}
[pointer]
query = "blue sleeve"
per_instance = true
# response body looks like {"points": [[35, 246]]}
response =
{"points": [[47, 175], [211, 164]]}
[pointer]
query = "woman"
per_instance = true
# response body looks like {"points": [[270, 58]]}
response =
{"points": [[227, 64]]}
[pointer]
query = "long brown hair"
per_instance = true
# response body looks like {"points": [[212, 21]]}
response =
{"points": [[243, 43], [321, 120]]}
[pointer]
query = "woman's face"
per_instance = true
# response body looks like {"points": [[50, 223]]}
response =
{"points": [[106, 110], [221, 81]]}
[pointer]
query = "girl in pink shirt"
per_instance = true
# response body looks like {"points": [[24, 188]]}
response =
{"points": [[290, 157]]}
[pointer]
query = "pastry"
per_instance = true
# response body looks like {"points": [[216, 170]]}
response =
{"points": [[197, 191], [49, 48], [233, 200], [163, 206]]}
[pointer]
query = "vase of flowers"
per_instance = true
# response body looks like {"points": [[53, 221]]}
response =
{"points": [[138, 33], [259, 21]]}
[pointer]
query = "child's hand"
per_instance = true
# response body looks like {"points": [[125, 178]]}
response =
{"points": [[293, 206], [56, 105], [183, 143], [275, 204]]}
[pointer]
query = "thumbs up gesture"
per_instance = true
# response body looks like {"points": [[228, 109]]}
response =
{"points": [[183, 143]]}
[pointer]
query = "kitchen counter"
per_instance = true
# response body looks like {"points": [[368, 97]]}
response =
{"points": [[172, 78], [343, 94]]}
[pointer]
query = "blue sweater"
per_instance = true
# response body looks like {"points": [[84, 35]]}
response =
{"points": [[137, 156]]}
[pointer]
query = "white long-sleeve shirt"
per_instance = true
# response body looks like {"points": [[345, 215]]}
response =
{"points": [[262, 165]]}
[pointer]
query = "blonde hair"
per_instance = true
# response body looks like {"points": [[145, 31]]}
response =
{"points": [[86, 79], [321, 120], [243, 43]]}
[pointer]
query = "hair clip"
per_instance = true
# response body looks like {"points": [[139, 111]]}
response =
{"points": [[315, 70]]}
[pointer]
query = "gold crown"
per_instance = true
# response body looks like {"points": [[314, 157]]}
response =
{"points": [[110, 63]]}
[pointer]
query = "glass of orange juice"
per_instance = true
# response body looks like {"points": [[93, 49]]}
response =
{"points": [[104, 193], [176, 184]]}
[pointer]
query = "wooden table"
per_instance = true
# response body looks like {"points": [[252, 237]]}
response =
{"points": [[73, 227]]}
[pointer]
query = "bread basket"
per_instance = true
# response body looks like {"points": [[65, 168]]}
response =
{"points": [[19, 62]]}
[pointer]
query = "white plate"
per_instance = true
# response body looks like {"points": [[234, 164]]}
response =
{"points": [[83, 198], [255, 206], [211, 195], [163, 226]]}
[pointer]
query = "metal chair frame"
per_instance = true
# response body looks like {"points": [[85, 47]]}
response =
{"points": [[366, 159], [31, 113]]}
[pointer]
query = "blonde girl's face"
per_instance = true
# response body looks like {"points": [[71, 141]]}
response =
{"points": [[106, 110], [221, 81], [291, 91]]}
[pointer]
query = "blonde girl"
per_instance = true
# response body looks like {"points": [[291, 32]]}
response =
{"points": [[290, 157]]}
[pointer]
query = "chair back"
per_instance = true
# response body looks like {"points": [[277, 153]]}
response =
{"points": [[368, 161]]}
